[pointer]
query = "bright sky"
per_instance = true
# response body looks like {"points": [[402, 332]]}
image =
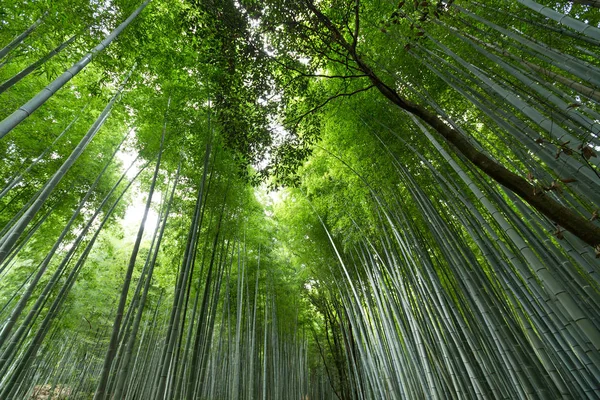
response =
{"points": [[135, 212]]}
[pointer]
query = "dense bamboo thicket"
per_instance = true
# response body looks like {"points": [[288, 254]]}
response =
{"points": [[298, 199]]}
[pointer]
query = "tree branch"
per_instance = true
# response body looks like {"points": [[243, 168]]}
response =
{"points": [[308, 75], [296, 121], [564, 216]]}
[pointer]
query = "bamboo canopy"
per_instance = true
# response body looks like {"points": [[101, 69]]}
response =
{"points": [[293, 199]]}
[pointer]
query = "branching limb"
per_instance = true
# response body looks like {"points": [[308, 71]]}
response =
{"points": [[309, 75], [585, 230], [300, 118]]}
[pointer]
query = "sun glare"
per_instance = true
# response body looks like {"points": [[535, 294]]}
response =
{"points": [[135, 213]]}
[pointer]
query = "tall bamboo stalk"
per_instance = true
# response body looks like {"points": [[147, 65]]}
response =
{"points": [[28, 108]]}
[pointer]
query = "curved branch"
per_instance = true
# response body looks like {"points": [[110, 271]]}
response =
{"points": [[296, 121], [564, 216]]}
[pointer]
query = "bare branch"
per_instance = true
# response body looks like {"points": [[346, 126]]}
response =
{"points": [[300, 118], [337, 76], [310, 75]]}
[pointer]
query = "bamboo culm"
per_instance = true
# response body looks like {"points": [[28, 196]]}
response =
{"points": [[11, 237], [26, 71], [19, 39], [112, 347], [28, 108]]}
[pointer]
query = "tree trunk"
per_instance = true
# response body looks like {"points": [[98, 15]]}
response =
{"points": [[592, 94], [15, 180]]}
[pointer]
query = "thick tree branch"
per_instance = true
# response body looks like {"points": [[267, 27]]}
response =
{"points": [[563, 216]]}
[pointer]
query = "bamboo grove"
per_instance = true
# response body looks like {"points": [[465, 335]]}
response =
{"points": [[299, 199]]}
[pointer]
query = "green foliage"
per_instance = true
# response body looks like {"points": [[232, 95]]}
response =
{"points": [[340, 243]]}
